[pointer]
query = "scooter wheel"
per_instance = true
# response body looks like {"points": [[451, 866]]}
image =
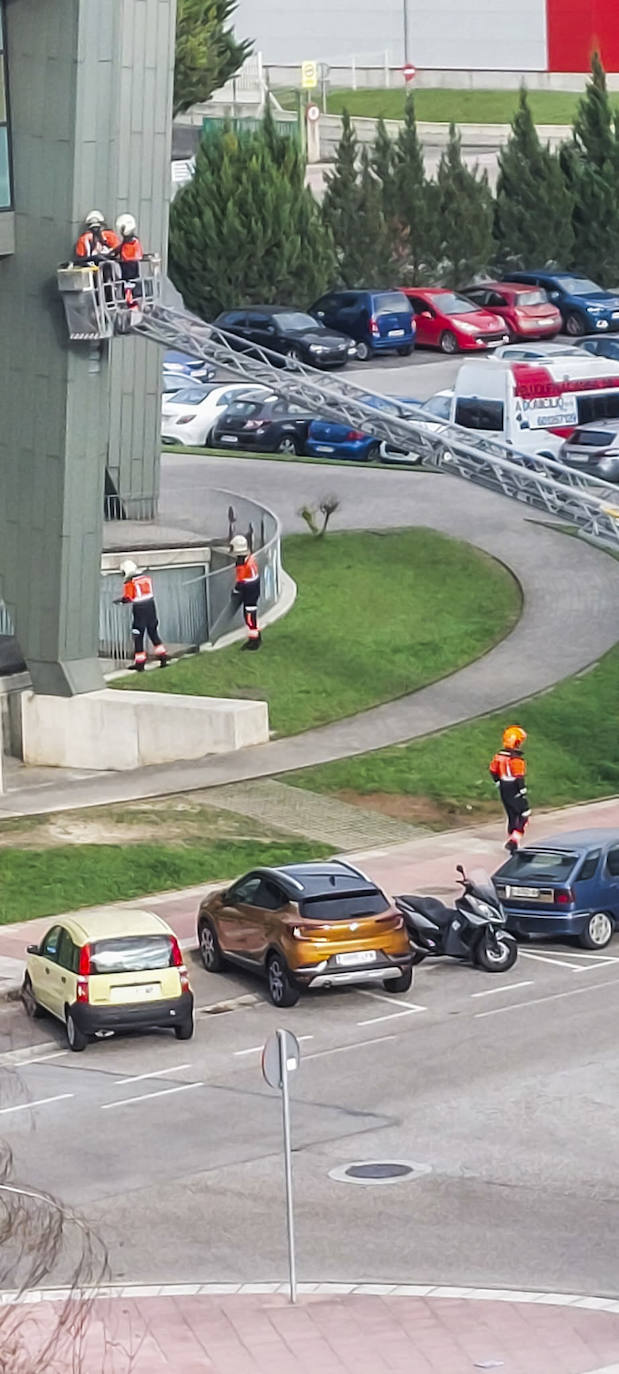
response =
{"points": [[496, 955]]}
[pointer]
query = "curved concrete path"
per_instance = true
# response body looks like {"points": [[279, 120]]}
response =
{"points": [[570, 618]]}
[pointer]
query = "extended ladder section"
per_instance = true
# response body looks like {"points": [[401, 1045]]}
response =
{"points": [[587, 504]]}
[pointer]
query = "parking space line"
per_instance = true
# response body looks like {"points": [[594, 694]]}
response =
{"points": [[144, 1097], [552, 997], [156, 1073], [27, 1106], [343, 1049], [391, 1016], [547, 959], [507, 987], [257, 1049], [383, 997]]}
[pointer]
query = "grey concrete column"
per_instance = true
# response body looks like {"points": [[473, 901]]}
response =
{"points": [[83, 75]]}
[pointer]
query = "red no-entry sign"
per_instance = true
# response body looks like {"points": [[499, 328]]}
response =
{"points": [[409, 71]]}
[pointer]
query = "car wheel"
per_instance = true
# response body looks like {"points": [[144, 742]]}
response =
{"points": [[575, 325], [287, 444], [448, 342], [184, 1032], [597, 933], [401, 984], [496, 954], [293, 354], [282, 990], [31, 1006], [405, 351], [364, 352], [76, 1038], [373, 453], [210, 950]]}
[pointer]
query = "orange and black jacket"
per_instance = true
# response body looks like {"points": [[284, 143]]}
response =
{"points": [[95, 243], [509, 770], [247, 580], [137, 589]]}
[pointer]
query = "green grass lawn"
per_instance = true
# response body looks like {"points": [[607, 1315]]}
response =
{"points": [[44, 882], [572, 752], [377, 616], [445, 107]]}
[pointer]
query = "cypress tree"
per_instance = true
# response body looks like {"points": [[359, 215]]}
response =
{"points": [[591, 164], [246, 229], [534, 206], [383, 161], [341, 204], [413, 201], [464, 210], [372, 247]]}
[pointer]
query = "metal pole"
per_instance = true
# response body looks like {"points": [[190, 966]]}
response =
{"points": [[288, 1165], [405, 27]]}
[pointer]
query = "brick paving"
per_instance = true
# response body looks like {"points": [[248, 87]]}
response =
{"points": [[330, 1333]]}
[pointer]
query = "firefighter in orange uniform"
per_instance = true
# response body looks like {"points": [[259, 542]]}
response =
{"points": [[138, 593], [129, 253], [509, 770], [97, 243], [247, 588]]}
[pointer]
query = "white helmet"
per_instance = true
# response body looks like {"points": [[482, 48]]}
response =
{"points": [[128, 568], [93, 218], [239, 545], [126, 226]]}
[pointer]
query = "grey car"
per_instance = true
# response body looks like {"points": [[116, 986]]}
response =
{"points": [[594, 449]]}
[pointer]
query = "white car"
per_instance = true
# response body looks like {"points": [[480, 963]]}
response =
{"points": [[189, 416], [536, 352]]}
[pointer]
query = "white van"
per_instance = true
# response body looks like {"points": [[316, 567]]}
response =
{"points": [[534, 406]]}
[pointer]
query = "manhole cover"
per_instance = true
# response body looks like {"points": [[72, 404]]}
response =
{"points": [[373, 1171]]}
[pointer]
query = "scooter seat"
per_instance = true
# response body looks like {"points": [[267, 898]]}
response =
{"points": [[431, 908]]}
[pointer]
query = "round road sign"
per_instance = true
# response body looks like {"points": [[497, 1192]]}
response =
{"points": [[313, 114], [409, 71], [282, 1043]]}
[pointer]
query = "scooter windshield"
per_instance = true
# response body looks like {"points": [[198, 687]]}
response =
{"points": [[481, 882]]}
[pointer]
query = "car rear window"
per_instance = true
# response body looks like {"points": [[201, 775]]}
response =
{"points": [[344, 906], [193, 395], [244, 409], [131, 954], [540, 863], [392, 301], [531, 298], [593, 438]]}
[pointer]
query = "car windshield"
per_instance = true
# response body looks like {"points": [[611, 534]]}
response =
{"points": [[450, 304], [592, 438], [131, 954], [579, 286], [344, 906], [439, 405], [531, 298], [532, 864], [297, 320], [390, 302]]}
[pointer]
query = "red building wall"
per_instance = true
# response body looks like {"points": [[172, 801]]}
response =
{"points": [[576, 28]]}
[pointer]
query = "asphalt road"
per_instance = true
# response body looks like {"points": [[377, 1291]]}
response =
{"points": [[506, 1088]]}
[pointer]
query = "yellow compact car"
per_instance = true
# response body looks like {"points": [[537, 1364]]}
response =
{"points": [[111, 971]]}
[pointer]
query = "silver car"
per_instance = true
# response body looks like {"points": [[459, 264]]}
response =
{"points": [[594, 449]]}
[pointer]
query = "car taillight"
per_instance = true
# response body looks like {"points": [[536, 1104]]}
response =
{"points": [[185, 419], [83, 967], [564, 898], [82, 990], [303, 932], [374, 329], [355, 434], [177, 962], [253, 424]]}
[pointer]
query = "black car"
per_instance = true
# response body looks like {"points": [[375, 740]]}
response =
{"points": [[291, 332], [268, 426]]}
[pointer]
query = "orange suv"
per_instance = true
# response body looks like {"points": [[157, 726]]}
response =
{"points": [[311, 925]]}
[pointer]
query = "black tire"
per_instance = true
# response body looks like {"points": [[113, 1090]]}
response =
{"points": [[210, 949], [364, 352], [76, 1039], [373, 453], [185, 1031], [576, 325], [598, 931], [288, 444], [31, 1006], [448, 342], [401, 984], [487, 958], [405, 351], [282, 990], [294, 354]]}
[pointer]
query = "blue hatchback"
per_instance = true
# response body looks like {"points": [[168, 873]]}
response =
{"points": [[330, 439], [567, 885], [378, 321], [585, 307]]}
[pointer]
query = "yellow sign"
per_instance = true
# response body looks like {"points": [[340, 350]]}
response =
{"points": [[309, 75]]}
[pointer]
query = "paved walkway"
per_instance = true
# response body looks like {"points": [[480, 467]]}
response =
{"points": [[570, 618], [337, 1330]]}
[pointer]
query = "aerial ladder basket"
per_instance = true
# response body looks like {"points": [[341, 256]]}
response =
{"points": [[98, 303]]}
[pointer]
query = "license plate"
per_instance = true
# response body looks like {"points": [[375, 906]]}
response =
{"points": [[363, 956], [533, 892], [396, 333], [323, 448], [616, 314], [228, 439], [140, 992]]}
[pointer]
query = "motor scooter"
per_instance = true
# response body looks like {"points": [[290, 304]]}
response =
{"points": [[473, 929]]}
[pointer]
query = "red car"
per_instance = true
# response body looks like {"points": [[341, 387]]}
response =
{"points": [[526, 310], [450, 322]]}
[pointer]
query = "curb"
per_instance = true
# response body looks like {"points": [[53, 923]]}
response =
{"points": [[382, 1290]]}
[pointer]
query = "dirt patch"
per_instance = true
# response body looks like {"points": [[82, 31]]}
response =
{"points": [[419, 811], [168, 820]]}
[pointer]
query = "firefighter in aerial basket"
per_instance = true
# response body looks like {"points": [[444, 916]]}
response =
{"points": [[509, 770], [247, 588], [138, 593]]}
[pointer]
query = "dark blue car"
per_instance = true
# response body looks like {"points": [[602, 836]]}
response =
{"points": [[378, 321], [567, 885], [585, 307]]}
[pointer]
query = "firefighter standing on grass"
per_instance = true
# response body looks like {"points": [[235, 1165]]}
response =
{"points": [[247, 588], [138, 593], [509, 770]]}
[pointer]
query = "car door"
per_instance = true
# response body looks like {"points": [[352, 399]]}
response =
{"points": [[262, 929], [262, 331], [352, 315], [236, 914], [426, 320], [235, 322], [327, 310], [607, 897], [45, 972]]}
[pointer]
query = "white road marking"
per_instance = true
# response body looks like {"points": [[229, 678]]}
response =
{"points": [[165, 1092], [608, 1369], [343, 1049], [157, 1073], [554, 997], [599, 963], [397, 1001], [546, 959], [41, 1058], [27, 1106], [390, 1016], [28, 1052], [257, 1049], [506, 987]]}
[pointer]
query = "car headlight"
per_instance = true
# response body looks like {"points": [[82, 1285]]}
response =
{"points": [[470, 328], [595, 309], [317, 348]]}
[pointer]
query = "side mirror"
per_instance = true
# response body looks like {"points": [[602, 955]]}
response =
{"points": [[460, 870], [32, 949], [320, 314]]}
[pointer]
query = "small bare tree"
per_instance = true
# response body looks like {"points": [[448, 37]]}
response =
{"points": [[326, 508]]}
